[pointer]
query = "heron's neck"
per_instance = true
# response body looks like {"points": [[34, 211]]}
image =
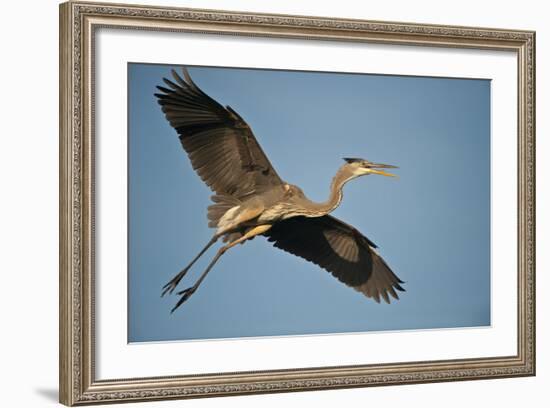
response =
{"points": [[343, 175]]}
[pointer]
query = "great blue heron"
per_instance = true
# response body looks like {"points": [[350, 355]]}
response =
{"points": [[251, 199]]}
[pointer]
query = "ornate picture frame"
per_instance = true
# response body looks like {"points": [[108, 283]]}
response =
{"points": [[79, 23]]}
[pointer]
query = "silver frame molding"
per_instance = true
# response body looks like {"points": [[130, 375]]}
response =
{"points": [[78, 22]]}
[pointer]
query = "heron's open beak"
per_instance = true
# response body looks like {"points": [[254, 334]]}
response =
{"points": [[373, 169]]}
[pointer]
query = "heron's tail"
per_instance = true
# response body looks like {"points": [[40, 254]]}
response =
{"points": [[222, 204]]}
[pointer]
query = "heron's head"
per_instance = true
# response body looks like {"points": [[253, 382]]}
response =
{"points": [[362, 167]]}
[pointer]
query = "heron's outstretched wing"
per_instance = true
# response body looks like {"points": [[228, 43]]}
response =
{"points": [[340, 249], [219, 143]]}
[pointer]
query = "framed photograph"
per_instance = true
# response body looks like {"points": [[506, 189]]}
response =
{"points": [[256, 203]]}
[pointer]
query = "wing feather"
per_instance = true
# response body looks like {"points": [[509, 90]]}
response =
{"points": [[221, 146], [340, 249]]}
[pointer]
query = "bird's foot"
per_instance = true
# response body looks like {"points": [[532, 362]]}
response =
{"points": [[170, 286], [185, 294]]}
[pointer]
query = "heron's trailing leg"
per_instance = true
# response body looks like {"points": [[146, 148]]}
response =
{"points": [[170, 286], [186, 294]]}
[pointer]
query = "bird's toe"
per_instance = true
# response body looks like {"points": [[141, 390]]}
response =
{"points": [[185, 294]]}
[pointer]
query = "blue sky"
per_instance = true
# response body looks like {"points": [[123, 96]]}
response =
{"points": [[432, 224]]}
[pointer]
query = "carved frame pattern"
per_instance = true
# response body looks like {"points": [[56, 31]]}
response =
{"points": [[77, 24]]}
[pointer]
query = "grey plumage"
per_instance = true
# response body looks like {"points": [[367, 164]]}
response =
{"points": [[251, 199], [221, 146], [340, 249]]}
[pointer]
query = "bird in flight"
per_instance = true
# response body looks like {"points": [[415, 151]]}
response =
{"points": [[250, 198]]}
